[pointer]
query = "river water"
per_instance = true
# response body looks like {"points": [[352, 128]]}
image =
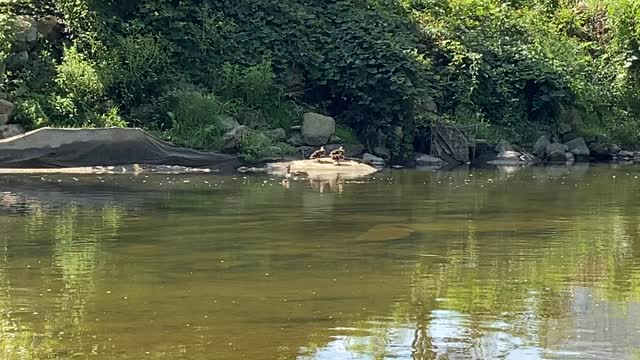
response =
{"points": [[543, 263]]}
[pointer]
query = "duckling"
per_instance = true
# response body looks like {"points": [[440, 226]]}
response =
{"points": [[318, 154], [337, 155]]}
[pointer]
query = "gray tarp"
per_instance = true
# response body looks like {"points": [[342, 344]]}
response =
{"points": [[55, 148]]}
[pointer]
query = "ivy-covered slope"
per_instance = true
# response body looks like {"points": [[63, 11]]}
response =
{"points": [[385, 70]]}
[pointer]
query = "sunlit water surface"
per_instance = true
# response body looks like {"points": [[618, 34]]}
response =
{"points": [[543, 263]]}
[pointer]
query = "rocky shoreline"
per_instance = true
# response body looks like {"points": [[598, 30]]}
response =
{"points": [[447, 148]]}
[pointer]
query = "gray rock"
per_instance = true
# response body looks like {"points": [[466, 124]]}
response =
{"points": [[46, 24], [353, 150], [6, 107], [627, 155], [317, 129], [278, 134], [296, 139], [565, 128], [569, 158], [450, 144], [503, 146], [231, 140], [373, 160], [305, 151], [579, 149], [4, 119], [7, 131], [18, 60], [556, 153], [382, 152], [540, 146], [335, 139], [428, 160], [228, 123], [24, 28], [602, 151]]}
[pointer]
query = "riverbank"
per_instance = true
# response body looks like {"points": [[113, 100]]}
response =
{"points": [[119, 150]]}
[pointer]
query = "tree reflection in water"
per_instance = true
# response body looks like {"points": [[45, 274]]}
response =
{"points": [[539, 263]]}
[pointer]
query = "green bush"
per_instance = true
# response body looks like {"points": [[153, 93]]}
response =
{"points": [[30, 114], [499, 69], [259, 146], [196, 119], [79, 94], [346, 134], [137, 67]]}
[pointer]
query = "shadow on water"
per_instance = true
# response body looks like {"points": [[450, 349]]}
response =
{"points": [[515, 264]]}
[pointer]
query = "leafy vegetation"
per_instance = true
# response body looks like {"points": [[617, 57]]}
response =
{"points": [[386, 70]]}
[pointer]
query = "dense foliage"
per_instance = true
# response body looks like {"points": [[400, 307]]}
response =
{"points": [[385, 69]]}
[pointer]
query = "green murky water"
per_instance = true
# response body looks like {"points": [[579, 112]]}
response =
{"points": [[538, 264]]}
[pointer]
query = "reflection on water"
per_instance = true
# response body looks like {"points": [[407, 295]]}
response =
{"points": [[539, 263]]}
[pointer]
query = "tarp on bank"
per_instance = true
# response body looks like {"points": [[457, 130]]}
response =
{"points": [[59, 148]]}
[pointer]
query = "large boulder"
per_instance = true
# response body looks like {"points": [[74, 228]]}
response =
{"points": [[602, 151], [232, 139], [317, 129], [278, 134], [373, 160], [7, 131], [540, 146], [556, 153], [578, 147], [382, 152], [4, 119], [24, 29]]}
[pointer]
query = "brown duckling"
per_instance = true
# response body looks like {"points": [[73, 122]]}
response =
{"points": [[318, 153], [337, 155]]}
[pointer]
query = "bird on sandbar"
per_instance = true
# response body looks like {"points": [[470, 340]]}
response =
{"points": [[318, 154], [337, 155]]}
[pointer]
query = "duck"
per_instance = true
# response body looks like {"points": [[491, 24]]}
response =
{"points": [[337, 155], [318, 153]]}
